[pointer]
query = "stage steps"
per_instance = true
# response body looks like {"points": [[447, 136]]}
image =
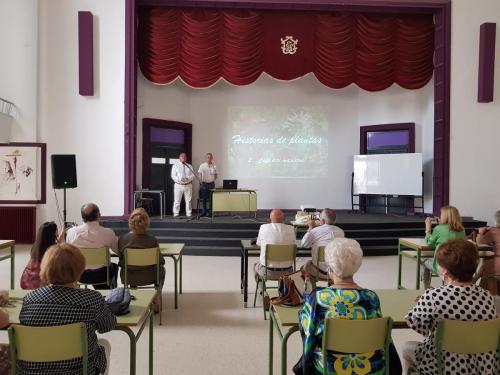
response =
{"points": [[204, 237]]}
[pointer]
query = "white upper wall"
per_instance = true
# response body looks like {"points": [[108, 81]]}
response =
{"points": [[475, 127], [18, 67], [90, 127], [346, 110]]}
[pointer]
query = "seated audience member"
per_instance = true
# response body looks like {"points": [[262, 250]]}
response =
{"points": [[92, 235], [62, 302], [274, 233], [491, 236], [139, 238], [4, 349], [45, 238], [318, 236], [344, 300], [458, 299], [449, 227]]}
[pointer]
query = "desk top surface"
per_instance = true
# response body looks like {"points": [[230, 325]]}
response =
{"points": [[6, 243], [422, 245], [138, 307], [394, 303], [149, 191], [171, 248], [217, 190]]}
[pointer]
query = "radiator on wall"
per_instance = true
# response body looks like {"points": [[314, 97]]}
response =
{"points": [[18, 224]]}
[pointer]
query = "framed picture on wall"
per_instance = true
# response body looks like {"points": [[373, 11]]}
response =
{"points": [[23, 171]]}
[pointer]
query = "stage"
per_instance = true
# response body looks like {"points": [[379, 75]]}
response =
{"points": [[377, 233]]}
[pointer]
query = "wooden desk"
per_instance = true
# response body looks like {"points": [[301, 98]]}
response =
{"points": [[140, 314], [9, 244], [249, 250], [417, 249], [174, 251], [234, 200], [394, 303]]}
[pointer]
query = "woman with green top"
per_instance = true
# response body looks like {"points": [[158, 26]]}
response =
{"points": [[449, 227]]}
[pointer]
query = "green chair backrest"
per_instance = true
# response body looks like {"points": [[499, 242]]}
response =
{"points": [[142, 258], [48, 344], [98, 256], [320, 255], [280, 253], [357, 336], [461, 337]]}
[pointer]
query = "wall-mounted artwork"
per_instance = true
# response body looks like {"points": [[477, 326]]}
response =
{"points": [[22, 173]]}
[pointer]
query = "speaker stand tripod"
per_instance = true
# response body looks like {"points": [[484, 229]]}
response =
{"points": [[64, 207]]}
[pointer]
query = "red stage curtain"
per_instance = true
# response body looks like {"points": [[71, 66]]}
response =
{"points": [[203, 45]]}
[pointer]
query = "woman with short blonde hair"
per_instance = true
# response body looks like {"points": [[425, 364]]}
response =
{"points": [[138, 222], [62, 302], [139, 238], [449, 227]]}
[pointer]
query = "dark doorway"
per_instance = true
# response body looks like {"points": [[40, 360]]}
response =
{"points": [[387, 139], [162, 143]]}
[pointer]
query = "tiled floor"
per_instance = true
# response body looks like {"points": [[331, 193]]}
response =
{"points": [[211, 332]]}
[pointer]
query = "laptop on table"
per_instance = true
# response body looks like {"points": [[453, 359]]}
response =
{"points": [[230, 184]]}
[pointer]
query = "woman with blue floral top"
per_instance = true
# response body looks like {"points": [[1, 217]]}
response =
{"points": [[344, 300]]}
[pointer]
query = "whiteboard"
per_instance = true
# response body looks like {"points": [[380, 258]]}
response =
{"points": [[388, 174]]}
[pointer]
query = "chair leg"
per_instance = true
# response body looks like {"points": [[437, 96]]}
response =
{"points": [[256, 291], [264, 292], [161, 303]]}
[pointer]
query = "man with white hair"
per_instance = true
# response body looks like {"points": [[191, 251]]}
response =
{"points": [[318, 236], [274, 233]]}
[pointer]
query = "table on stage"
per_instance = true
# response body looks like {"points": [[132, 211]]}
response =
{"points": [[140, 314], [394, 303], [417, 248], [161, 194], [234, 200], [11, 245], [249, 250]]}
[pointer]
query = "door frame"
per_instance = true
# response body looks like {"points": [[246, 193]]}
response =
{"points": [[147, 124]]}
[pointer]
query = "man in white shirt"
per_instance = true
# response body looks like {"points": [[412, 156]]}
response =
{"points": [[183, 175], [91, 235], [318, 236], [274, 233], [207, 174]]}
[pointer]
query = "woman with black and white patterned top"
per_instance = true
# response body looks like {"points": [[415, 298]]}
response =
{"points": [[59, 303], [458, 299]]}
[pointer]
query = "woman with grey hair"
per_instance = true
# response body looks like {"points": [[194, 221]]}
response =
{"points": [[491, 236], [345, 299]]}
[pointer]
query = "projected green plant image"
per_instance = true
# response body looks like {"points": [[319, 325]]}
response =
{"points": [[277, 142]]}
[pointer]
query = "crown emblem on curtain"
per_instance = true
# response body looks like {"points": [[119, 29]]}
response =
{"points": [[289, 45]]}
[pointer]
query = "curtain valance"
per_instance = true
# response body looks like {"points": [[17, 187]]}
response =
{"points": [[203, 45]]}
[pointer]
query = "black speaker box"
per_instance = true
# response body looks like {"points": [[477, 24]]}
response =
{"points": [[63, 171]]}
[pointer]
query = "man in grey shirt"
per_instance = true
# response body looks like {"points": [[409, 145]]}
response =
{"points": [[320, 235]]}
